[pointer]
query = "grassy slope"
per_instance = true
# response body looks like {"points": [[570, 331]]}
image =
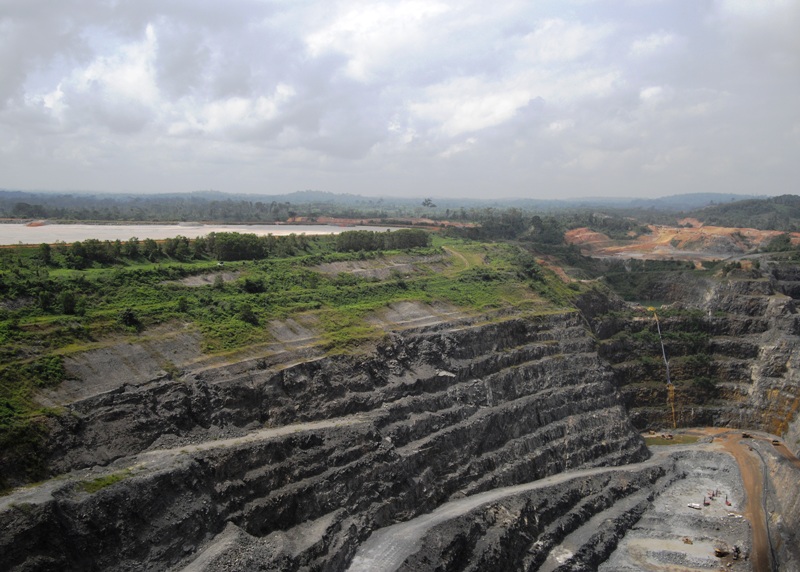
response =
{"points": [[127, 301]]}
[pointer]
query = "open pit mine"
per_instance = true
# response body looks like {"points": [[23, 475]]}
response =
{"points": [[459, 442]]}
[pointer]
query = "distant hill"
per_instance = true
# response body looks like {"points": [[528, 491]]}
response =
{"points": [[685, 202], [773, 213], [691, 201], [778, 213]]}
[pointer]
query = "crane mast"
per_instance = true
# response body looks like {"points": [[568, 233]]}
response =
{"points": [[670, 385]]}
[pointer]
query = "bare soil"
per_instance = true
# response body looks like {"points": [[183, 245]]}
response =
{"points": [[695, 242], [384, 268], [208, 279]]}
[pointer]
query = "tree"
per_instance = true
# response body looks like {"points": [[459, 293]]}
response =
{"points": [[45, 253], [76, 256], [355, 240], [235, 246], [131, 249], [116, 249], [129, 319], [182, 251], [780, 243], [182, 305], [253, 285], [246, 314], [67, 301], [405, 238], [151, 250], [199, 247]]}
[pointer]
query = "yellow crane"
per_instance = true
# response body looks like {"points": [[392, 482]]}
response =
{"points": [[670, 385]]}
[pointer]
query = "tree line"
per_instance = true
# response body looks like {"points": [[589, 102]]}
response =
{"points": [[223, 246], [365, 240]]}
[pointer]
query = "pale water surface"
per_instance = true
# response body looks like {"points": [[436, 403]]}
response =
{"points": [[50, 233]]}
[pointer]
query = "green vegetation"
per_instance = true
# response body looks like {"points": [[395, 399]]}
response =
{"points": [[676, 440], [105, 481], [645, 280], [781, 243], [230, 288], [773, 213]]}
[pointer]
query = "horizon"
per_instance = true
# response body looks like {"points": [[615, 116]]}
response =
{"points": [[68, 192]]}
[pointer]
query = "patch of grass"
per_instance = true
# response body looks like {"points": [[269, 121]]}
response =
{"points": [[676, 440], [105, 481]]}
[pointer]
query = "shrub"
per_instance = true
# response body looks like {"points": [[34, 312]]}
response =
{"points": [[129, 319], [182, 305], [246, 314]]}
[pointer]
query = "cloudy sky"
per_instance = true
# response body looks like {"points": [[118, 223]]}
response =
{"points": [[441, 98]]}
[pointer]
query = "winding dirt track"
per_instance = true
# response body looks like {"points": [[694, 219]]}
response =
{"points": [[387, 548]]}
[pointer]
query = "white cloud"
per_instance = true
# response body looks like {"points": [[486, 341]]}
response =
{"points": [[233, 114], [557, 40], [371, 35], [671, 158], [652, 44], [128, 74], [758, 8], [560, 125], [465, 105], [457, 148], [651, 94], [53, 100], [764, 32]]}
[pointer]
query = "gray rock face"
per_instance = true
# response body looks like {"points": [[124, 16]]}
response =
{"points": [[291, 463], [733, 355], [301, 463]]}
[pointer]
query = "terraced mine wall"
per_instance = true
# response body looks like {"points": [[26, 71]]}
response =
{"points": [[520, 532], [783, 504], [734, 354], [249, 466], [291, 463]]}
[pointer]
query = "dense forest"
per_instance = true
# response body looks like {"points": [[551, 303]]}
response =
{"points": [[775, 213]]}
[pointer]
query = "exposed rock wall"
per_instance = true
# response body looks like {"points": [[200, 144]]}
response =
{"points": [[302, 462], [783, 506], [733, 354], [290, 464], [518, 533]]}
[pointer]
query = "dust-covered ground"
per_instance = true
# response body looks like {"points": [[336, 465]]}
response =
{"points": [[208, 279], [385, 268], [672, 536]]}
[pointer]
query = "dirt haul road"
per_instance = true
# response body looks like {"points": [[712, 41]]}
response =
{"points": [[389, 547]]}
